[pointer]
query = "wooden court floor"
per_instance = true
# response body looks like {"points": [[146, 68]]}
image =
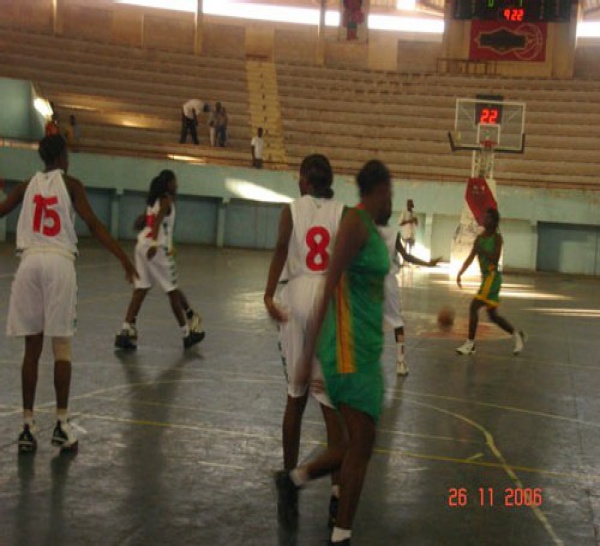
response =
{"points": [[180, 448]]}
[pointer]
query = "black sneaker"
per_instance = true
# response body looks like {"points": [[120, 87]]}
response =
{"points": [[27, 442], [345, 542], [64, 437], [333, 510], [127, 339], [287, 499], [192, 339]]}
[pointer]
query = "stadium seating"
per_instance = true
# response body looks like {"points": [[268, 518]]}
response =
{"points": [[127, 100]]}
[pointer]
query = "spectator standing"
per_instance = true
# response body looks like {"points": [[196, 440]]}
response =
{"points": [[408, 222], [72, 132], [189, 119], [258, 145], [212, 127], [221, 126]]}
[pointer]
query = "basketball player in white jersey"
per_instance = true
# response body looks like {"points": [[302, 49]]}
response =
{"points": [[155, 265], [392, 306], [44, 291], [307, 231]]}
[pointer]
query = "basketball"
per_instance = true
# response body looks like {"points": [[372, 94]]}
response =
{"points": [[446, 318]]}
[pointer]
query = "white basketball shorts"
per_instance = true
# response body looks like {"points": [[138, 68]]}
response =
{"points": [[299, 298], [160, 270], [392, 306], [43, 296]]}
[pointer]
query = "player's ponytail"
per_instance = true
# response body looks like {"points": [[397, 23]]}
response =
{"points": [[159, 187], [317, 171]]}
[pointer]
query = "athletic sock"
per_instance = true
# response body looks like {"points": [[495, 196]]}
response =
{"points": [[399, 351], [339, 535], [335, 491], [299, 476], [185, 329], [62, 415], [28, 417], [127, 325]]}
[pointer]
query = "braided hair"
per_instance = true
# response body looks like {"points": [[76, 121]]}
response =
{"points": [[159, 187], [317, 171]]}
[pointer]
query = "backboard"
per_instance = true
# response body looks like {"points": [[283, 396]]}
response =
{"points": [[483, 123]]}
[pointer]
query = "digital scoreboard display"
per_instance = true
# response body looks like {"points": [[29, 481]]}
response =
{"points": [[513, 11]]}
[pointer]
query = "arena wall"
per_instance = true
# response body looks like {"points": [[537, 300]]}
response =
{"points": [[221, 206]]}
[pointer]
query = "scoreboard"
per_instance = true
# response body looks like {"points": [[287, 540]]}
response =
{"points": [[515, 11]]}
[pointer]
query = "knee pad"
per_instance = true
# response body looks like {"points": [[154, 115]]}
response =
{"points": [[62, 349]]}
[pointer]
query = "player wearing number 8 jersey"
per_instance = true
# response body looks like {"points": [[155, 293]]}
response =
{"points": [[44, 291], [307, 233]]}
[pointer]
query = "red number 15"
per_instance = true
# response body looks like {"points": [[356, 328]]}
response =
{"points": [[45, 219]]}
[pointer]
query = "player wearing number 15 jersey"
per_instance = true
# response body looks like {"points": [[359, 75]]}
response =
{"points": [[44, 291], [307, 231]]}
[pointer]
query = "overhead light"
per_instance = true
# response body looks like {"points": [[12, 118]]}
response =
{"points": [[262, 12], [299, 16], [43, 107], [406, 24], [174, 5], [588, 29], [408, 5]]}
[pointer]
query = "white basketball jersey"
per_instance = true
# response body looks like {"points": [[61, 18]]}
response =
{"points": [[389, 235], [316, 222], [47, 218], [165, 231]]}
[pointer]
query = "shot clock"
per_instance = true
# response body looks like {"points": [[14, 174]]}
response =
{"points": [[514, 11]]}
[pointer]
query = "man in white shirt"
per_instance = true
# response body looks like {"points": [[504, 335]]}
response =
{"points": [[408, 223], [258, 145], [189, 119]]}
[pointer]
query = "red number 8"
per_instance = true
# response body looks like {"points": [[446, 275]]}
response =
{"points": [[317, 240]]}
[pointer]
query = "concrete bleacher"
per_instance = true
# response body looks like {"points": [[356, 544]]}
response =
{"points": [[403, 119], [128, 99]]}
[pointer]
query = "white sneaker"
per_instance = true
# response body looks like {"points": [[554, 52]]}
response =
{"points": [[401, 368], [467, 348], [64, 437], [520, 340]]}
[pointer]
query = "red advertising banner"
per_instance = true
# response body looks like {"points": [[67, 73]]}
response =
{"points": [[479, 197], [501, 41]]}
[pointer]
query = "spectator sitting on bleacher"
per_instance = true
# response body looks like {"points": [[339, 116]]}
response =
{"points": [[189, 119]]}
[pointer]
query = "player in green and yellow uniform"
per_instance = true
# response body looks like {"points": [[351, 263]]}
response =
{"points": [[487, 249], [350, 323], [351, 339]]}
